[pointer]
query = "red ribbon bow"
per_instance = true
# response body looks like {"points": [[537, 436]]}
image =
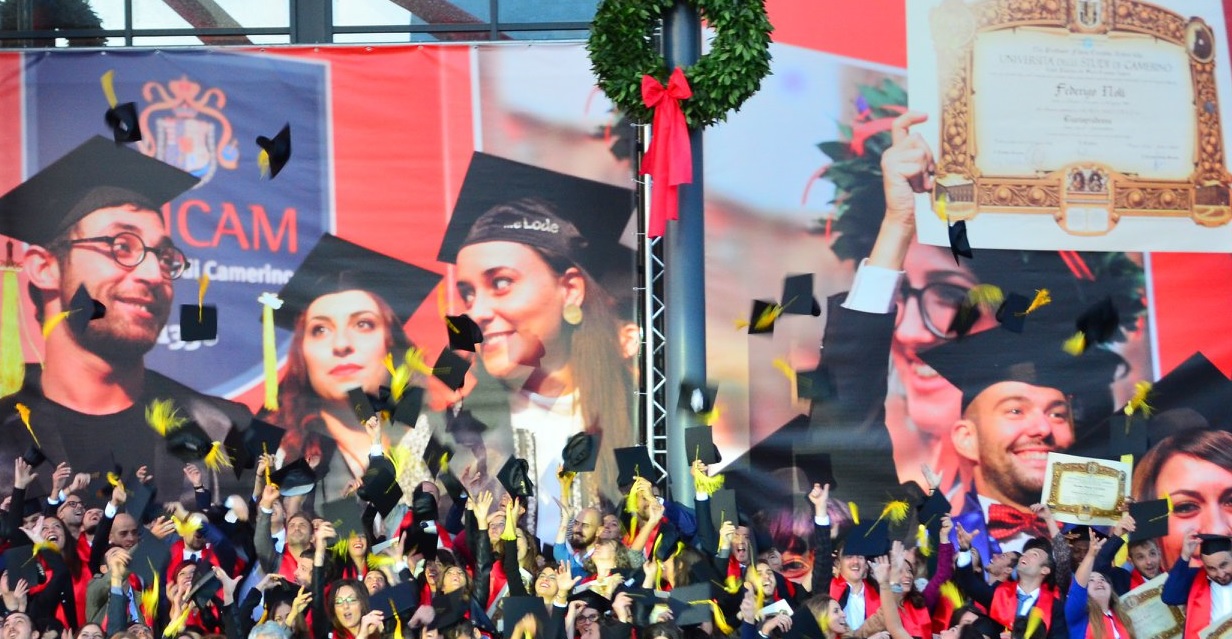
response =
{"points": [[1005, 522], [669, 162]]}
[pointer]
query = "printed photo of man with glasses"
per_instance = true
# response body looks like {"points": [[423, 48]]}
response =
{"points": [[92, 223]]}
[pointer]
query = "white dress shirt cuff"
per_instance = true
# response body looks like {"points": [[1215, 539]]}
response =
{"points": [[873, 289], [964, 559]]}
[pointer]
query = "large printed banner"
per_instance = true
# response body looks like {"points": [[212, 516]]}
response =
{"points": [[429, 182]]}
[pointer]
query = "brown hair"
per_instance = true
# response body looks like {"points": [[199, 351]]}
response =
{"points": [[1095, 617], [299, 404], [1214, 446], [361, 594]]}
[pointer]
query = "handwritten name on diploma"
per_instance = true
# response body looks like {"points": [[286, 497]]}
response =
{"points": [[1105, 91]]}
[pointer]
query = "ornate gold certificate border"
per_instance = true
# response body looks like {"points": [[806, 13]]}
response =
{"points": [[1204, 197], [1060, 470]]}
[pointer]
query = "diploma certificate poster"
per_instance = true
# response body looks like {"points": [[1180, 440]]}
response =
{"points": [[1099, 125]]}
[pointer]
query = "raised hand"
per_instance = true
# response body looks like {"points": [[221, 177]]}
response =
{"points": [[373, 428], [881, 569], [144, 476], [1126, 524], [324, 533], [819, 496], [60, 478], [23, 473], [79, 483], [907, 168], [162, 527], [118, 496], [301, 602], [483, 508], [964, 537], [781, 623], [726, 532], [947, 525], [193, 474], [565, 581], [622, 605], [228, 585], [1097, 542]]}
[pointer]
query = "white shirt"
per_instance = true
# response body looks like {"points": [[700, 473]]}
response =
{"points": [[1024, 608], [550, 421], [1221, 600], [854, 610], [873, 290]]}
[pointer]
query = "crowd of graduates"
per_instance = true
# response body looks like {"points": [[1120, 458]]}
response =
{"points": [[102, 557]]}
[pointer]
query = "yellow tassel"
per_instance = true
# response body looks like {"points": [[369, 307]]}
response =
{"points": [[986, 295], [1167, 498], [341, 547], [1075, 345], [415, 360], [54, 321], [12, 359], [178, 623], [896, 510], [823, 621], [943, 198], [185, 527], [1042, 298], [855, 513], [108, 82], [709, 485], [163, 416], [269, 343], [731, 585], [741, 324], [950, 591], [921, 541], [400, 457], [1122, 554], [204, 284], [113, 480], [631, 499], [397, 624], [376, 562], [44, 545], [1034, 619], [768, 316], [24, 411], [265, 451], [150, 597], [398, 382], [708, 419], [444, 465], [785, 368], [263, 163], [720, 620], [566, 485], [1137, 403], [217, 457]]}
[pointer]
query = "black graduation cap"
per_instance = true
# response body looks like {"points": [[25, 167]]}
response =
{"points": [[33, 456], [149, 558], [205, 585], [361, 404], [402, 599], [633, 462], [21, 563], [1036, 358], [276, 150], [763, 316], [580, 453], [189, 442], [697, 399], [451, 368], [818, 467], [959, 244], [463, 332], [246, 446], [804, 626], [515, 477], [450, 609], [699, 444], [295, 478], [965, 318], [423, 505], [84, 309], [798, 298], [1098, 323], [198, 323], [723, 507], [380, 485], [1195, 384], [987, 627], [1012, 314], [1150, 519], [593, 599], [139, 498], [868, 539], [518, 608], [409, 405], [434, 453], [453, 486], [1082, 531], [690, 605], [668, 541], [346, 516], [335, 265], [930, 511], [96, 174], [589, 217], [1212, 544], [1127, 436], [465, 427], [123, 122]]}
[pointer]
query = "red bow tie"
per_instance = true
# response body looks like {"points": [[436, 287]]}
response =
{"points": [[1005, 522]]}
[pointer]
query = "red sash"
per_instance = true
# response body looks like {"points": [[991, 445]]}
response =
{"points": [[1135, 579], [1004, 608], [1109, 624], [916, 621], [1198, 608], [497, 580], [288, 564], [872, 598]]}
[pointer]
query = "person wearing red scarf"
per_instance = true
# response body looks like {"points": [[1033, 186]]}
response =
{"points": [[1010, 602], [1144, 555], [1092, 609], [1205, 597]]}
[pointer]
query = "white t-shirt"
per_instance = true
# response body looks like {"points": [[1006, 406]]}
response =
{"points": [[547, 423]]}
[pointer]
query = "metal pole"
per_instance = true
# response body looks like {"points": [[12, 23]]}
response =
{"points": [[684, 266]]}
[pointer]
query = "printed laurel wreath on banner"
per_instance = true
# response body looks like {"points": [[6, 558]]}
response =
{"points": [[622, 50]]}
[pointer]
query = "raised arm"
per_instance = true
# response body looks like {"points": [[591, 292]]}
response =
{"points": [[888, 573], [823, 546]]}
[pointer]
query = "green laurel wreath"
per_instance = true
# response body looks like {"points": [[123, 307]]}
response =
{"points": [[621, 47]]}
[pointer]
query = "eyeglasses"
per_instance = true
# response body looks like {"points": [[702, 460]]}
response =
{"points": [[74, 504], [128, 250], [591, 618], [345, 601], [937, 302]]}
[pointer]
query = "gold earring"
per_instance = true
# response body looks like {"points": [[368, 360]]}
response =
{"points": [[572, 314]]}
